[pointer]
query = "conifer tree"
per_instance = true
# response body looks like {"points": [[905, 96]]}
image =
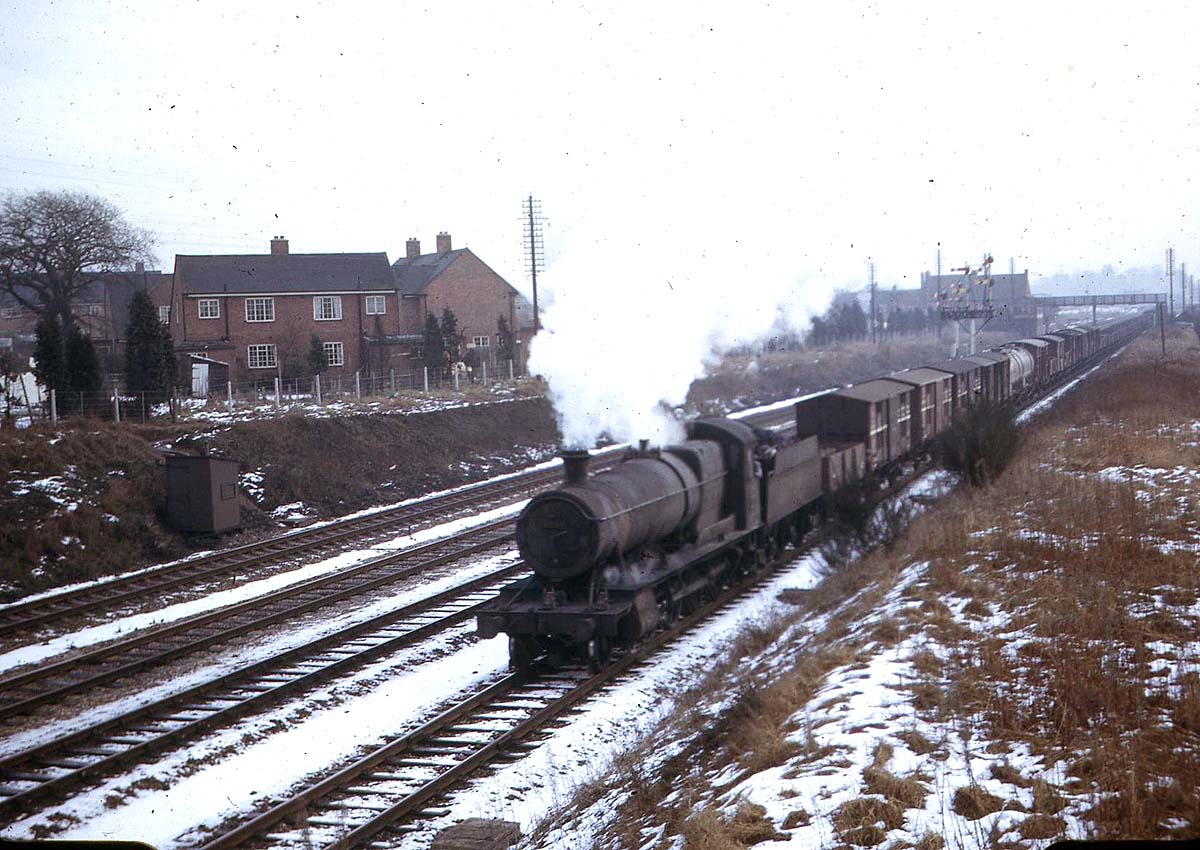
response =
{"points": [[450, 339], [146, 364], [318, 361], [49, 363], [81, 367], [435, 348]]}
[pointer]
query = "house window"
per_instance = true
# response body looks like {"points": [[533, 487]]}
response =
{"points": [[335, 354], [91, 309], [164, 313], [260, 309], [10, 313], [210, 308], [376, 305], [6, 342], [260, 356], [327, 308], [480, 341]]}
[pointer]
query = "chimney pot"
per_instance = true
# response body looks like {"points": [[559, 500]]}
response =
{"points": [[279, 245], [413, 248], [140, 267], [443, 243], [575, 465]]}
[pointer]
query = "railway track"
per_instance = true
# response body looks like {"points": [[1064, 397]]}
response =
{"points": [[107, 665], [25, 621], [378, 797], [31, 779]]}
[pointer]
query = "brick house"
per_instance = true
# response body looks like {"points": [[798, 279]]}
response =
{"points": [[101, 309], [458, 279], [258, 312]]}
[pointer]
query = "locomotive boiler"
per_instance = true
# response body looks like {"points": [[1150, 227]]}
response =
{"points": [[619, 553]]}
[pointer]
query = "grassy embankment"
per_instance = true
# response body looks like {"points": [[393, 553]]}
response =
{"points": [[1022, 665]]}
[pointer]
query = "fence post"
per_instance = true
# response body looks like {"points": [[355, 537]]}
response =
{"points": [[54, 406], [317, 386], [425, 377], [277, 390], [116, 405], [358, 386], [455, 371], [393, 381], [229, 396], [143, 405], [510, 371], [483, 363]]}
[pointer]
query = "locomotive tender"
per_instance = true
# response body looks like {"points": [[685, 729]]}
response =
{"points": [[619, 554]]}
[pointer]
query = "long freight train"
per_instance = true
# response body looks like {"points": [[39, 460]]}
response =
{"points": [[618, 554]]}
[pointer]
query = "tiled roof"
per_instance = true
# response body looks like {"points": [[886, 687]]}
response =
{"points": [[414, 274], [203, 274]]}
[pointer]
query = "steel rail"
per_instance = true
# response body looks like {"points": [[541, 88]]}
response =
{"points": [[24, 691], [43, 773]]}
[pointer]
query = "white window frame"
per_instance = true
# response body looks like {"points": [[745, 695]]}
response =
{"points": [[486, 343], [6, 342], [320, 302], [213, 304], [11, 312], [335, 353], [379, 301], [91, 310], [164, 313], [257, 352], [268, 306]]}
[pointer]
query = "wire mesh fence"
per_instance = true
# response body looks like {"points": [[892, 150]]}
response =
{"points": [[22, 404]]}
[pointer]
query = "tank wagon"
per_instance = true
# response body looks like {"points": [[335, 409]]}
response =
{"points": [[621, 553]]}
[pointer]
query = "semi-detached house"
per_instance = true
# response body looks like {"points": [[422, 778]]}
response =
{"points": [[258, 312]]}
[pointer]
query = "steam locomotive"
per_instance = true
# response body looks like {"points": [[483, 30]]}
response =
{"points": [[619, 554]]}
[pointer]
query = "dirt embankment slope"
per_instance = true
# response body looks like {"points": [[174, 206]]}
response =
{"points": [[86, 499], [1021, 666]]}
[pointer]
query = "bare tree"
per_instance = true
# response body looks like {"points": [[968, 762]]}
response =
{"points": [[53, 244]]}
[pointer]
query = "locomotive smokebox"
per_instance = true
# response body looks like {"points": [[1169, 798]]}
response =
{"points": [[575, 465]]}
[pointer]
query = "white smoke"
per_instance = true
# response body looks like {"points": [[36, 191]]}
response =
{"points": [[634, 316]]}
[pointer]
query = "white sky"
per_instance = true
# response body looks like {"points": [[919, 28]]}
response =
{"points": [[1063, 134]]}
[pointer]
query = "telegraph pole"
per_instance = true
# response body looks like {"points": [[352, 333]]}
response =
{"points": [[1183, 287], [535, 249], [874, 303], [1171, 282]]}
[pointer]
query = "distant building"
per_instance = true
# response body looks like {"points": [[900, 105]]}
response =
{"points": [[458, 279], [1016, 311], [101, 310]]}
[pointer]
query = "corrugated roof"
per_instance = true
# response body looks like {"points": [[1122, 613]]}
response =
{"points": [[203, 274], [876, 390], [958, 366], [413, 274], [919, 376]]}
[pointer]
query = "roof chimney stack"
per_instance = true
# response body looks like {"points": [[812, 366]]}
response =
{"points": [[414, 248], [140, 267], [443, 242], [278, 245]]}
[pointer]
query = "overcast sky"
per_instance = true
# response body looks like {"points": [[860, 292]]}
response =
{"points": [[823, 134]]}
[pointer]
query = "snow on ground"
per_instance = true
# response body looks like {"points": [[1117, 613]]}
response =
{"points": [[201, 794], [118, 628], [254, 649]]}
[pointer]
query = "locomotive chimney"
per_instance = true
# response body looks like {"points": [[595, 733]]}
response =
{"points": [[643, 447], [575, 465]]}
